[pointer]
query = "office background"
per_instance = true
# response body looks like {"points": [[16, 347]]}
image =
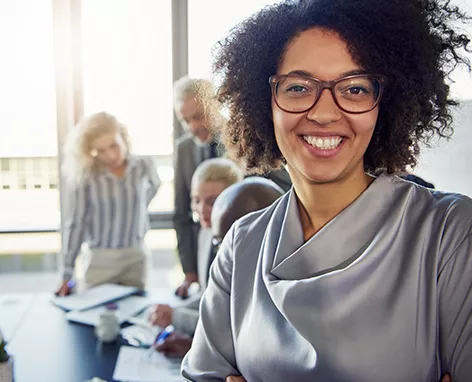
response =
{"points": [[66, 58]]}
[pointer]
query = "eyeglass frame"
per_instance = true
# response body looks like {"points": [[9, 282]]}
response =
{"points": [[275, 80]]}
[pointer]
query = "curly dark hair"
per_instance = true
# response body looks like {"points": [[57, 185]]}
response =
{"points": [[412, 42]]}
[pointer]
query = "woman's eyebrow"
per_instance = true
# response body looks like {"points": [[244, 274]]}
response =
{"points": [[345, 74]]}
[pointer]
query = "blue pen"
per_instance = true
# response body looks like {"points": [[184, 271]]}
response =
{"points": [[161, 338], [70, 285]]}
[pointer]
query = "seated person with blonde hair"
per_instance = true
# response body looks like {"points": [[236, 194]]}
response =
{"points": [[210, 178], [249, 195]]}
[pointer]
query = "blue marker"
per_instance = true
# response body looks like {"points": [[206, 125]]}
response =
{"points": [[70, 284], [161, 337]]}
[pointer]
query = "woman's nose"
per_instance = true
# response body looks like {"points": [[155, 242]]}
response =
{"points": [[325, 111]]}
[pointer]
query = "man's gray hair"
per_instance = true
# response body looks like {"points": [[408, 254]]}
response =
{"points": [[186, 87]]}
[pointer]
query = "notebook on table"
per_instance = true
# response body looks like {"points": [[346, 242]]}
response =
{"points": [[94, 296], [127, 308]]}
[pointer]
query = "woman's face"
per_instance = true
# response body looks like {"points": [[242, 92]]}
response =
{"points": [[344, 137], [203, 197], [110, 149]]}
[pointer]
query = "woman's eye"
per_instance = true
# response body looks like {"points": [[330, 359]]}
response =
{"points": [[360, 86], [357, 90], [296, 89]]}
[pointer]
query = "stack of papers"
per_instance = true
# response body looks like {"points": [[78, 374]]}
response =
{"points": [[134, 365], [140, 336], [94, 296], [86, 308], [127, 308]]}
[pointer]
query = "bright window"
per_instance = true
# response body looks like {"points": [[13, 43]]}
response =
{"points": [[29, 195], [127, 71], [209, 21]]}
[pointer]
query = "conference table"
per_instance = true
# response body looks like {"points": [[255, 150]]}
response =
{"points": [[47, 347]]}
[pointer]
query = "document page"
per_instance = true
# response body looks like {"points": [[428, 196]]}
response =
{"points": [[134, 365], [127, 307], [94, 296]]}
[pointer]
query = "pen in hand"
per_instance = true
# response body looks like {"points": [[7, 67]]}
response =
{"points": [[160, 338], [65, 289]]}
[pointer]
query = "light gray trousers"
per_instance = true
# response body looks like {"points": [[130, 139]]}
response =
{"points": [[125, 266]]}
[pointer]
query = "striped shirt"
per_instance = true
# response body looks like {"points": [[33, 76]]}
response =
{"points": [[110, 212]]}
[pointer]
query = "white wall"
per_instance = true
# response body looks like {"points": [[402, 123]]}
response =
{"points": [[449, 163]]}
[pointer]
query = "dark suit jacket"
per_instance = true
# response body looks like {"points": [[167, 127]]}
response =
{"points": [[187, 156]]}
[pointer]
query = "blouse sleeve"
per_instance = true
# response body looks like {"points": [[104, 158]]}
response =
{"points": [[74, 227], [455, 313], [212, 356], [154, 180]]}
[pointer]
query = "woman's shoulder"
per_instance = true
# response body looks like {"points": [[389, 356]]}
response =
{"points": [[453, 204], [138, 159], [454, 215], [449, 213], [143, 162], [448, 204]]}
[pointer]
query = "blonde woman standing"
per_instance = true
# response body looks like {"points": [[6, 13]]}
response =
{"points": [[110, 190]]}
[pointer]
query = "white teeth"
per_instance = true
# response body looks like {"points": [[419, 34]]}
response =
{"points": [[328, 143]]}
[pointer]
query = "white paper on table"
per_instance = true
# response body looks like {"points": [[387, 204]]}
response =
{"points": [[127, 307], [134, 365], [13, 307], [145, 335], [94, 296]]}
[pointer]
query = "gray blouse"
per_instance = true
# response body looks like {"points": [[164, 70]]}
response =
{"points": [[382, 293]]}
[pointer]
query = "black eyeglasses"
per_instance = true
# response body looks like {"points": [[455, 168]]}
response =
{"points": [[354, 94]]}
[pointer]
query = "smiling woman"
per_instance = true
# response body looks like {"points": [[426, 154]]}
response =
{"points": [[302, 133], [355, 274]]}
